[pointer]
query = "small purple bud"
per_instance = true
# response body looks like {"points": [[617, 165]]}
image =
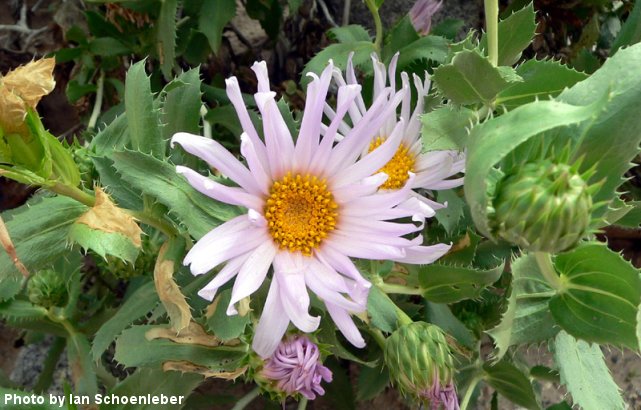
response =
{"points": [[295, 366], [438, 394], [421, 15]]}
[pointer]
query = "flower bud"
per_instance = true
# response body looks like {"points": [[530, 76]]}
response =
{"points": [[47, 289], [542, 206], [421, 15], [294, 369], [421, 364]]}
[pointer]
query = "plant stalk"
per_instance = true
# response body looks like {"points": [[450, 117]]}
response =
{"points": [[378, 42], [246, 399], [546, 266], [98, 104], [469, 391], [492, 27]]}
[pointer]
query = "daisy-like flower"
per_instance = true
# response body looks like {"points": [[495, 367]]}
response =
{"points": [[311, 205], [433, 169], [295, 367]]}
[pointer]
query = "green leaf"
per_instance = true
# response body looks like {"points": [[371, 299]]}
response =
{"points": [[197, 212], [154, 382], [133, 349], [339, 53], [111, 138], [493, 140], [469, 79], [446, 128], [107, 47], [527, 319], [348, 34], [381, 310], [181, 107], [630, 32], [432, 48], [511, 383], [600, 296], [372, 381], [82, 367], [585, 374], [450, 216], [449, 284], [18, 310], [222, 326], [104, 243], [515, 34], [541, 79], [213, 17], [632, 217], [137, 305], [124, 195], [142, 117], [441, 315], [166, 35], [620, 120], [39, 232]]}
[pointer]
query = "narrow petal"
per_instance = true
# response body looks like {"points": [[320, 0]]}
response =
{"points": [[220, 192], [227, 273], [365, 187], [260, 69], [252, 274], [345, 324], [217, 157], [424, 254], [272, 325], [365, 249], [258, 168], [330, 296], [293, 292], [278, 140]]}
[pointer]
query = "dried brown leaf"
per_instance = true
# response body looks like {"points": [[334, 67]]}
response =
{"points": [[169, 292], [193, 334], [31, 81], [12, 112], [8, 246], [188, 367], [107, 217]]}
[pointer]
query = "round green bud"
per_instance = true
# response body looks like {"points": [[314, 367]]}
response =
{"points": [[47, 289], [542, 207], [420, 361]]}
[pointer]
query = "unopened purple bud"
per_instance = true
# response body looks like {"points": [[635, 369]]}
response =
{"points": [[441, 395], [421, 15], [295, 366]]}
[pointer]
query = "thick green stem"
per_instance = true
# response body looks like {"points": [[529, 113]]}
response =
{"points": [[492, 27], [302, 404], [371, 5], [378, 337], [98, 104], [469, 392], [546, 266], [399, 289], [246, 399], [403, 318]]}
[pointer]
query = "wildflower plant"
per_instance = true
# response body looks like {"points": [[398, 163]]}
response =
{"points": [[431, 196]]}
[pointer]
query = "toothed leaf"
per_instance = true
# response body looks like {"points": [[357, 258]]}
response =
{"points": [[166, 36], [213, 17], [446, 128], [515, 34], [449, 284], [219, 323], [511, 383]]}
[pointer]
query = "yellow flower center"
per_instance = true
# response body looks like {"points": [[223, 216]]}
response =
{"points": [[300, 212], [398, 167]]}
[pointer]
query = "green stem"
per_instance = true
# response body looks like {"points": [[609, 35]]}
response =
{"points": [[403, 318], [98, 104], [469, 392], [46, 376], [492, 27], [378, 337], [371, 5], [544, 261], [399, 289], [302, 404], [246, 399]]}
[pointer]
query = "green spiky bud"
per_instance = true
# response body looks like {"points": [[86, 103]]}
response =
{"points": [[542, 207], [47, 288], [421, 364], [82, 157]]}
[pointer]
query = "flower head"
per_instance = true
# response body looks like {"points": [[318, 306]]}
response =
{"points": [[311, 205], [433, 170], [295, 367], [421, 15]]}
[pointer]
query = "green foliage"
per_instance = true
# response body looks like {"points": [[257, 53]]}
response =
{"points": [[158, 179], [372, 381], [600, 296], [448, 284], [104, 243], [630, 32], [511, 383], [213, 17], [470, 79], [142, 116], [381, 310], [339, 54], [446, 128], [585, 374], [348, 34], [515, 34], [222, 326], [83, 371], [166, 35]]}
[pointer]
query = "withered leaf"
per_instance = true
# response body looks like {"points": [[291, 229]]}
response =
{"points": [[188, 367], [169, 293]]}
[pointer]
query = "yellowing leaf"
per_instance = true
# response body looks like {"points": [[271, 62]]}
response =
{"points": [[107, 217], [193, 334], [7, 244], [188, 367], [169, 292], [23, 88]]}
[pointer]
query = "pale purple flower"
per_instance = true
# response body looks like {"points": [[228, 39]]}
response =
{"points": [[433, 169], [421, 15], [295, 366], [445, 395], [311, 205]]}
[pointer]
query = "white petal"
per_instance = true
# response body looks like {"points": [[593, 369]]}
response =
{"points": [[229, 271], [345, 324], [252, 273], [272, 325]]}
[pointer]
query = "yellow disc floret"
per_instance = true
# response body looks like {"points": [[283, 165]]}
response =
{"points": [[398, 167], [300, 212]]}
